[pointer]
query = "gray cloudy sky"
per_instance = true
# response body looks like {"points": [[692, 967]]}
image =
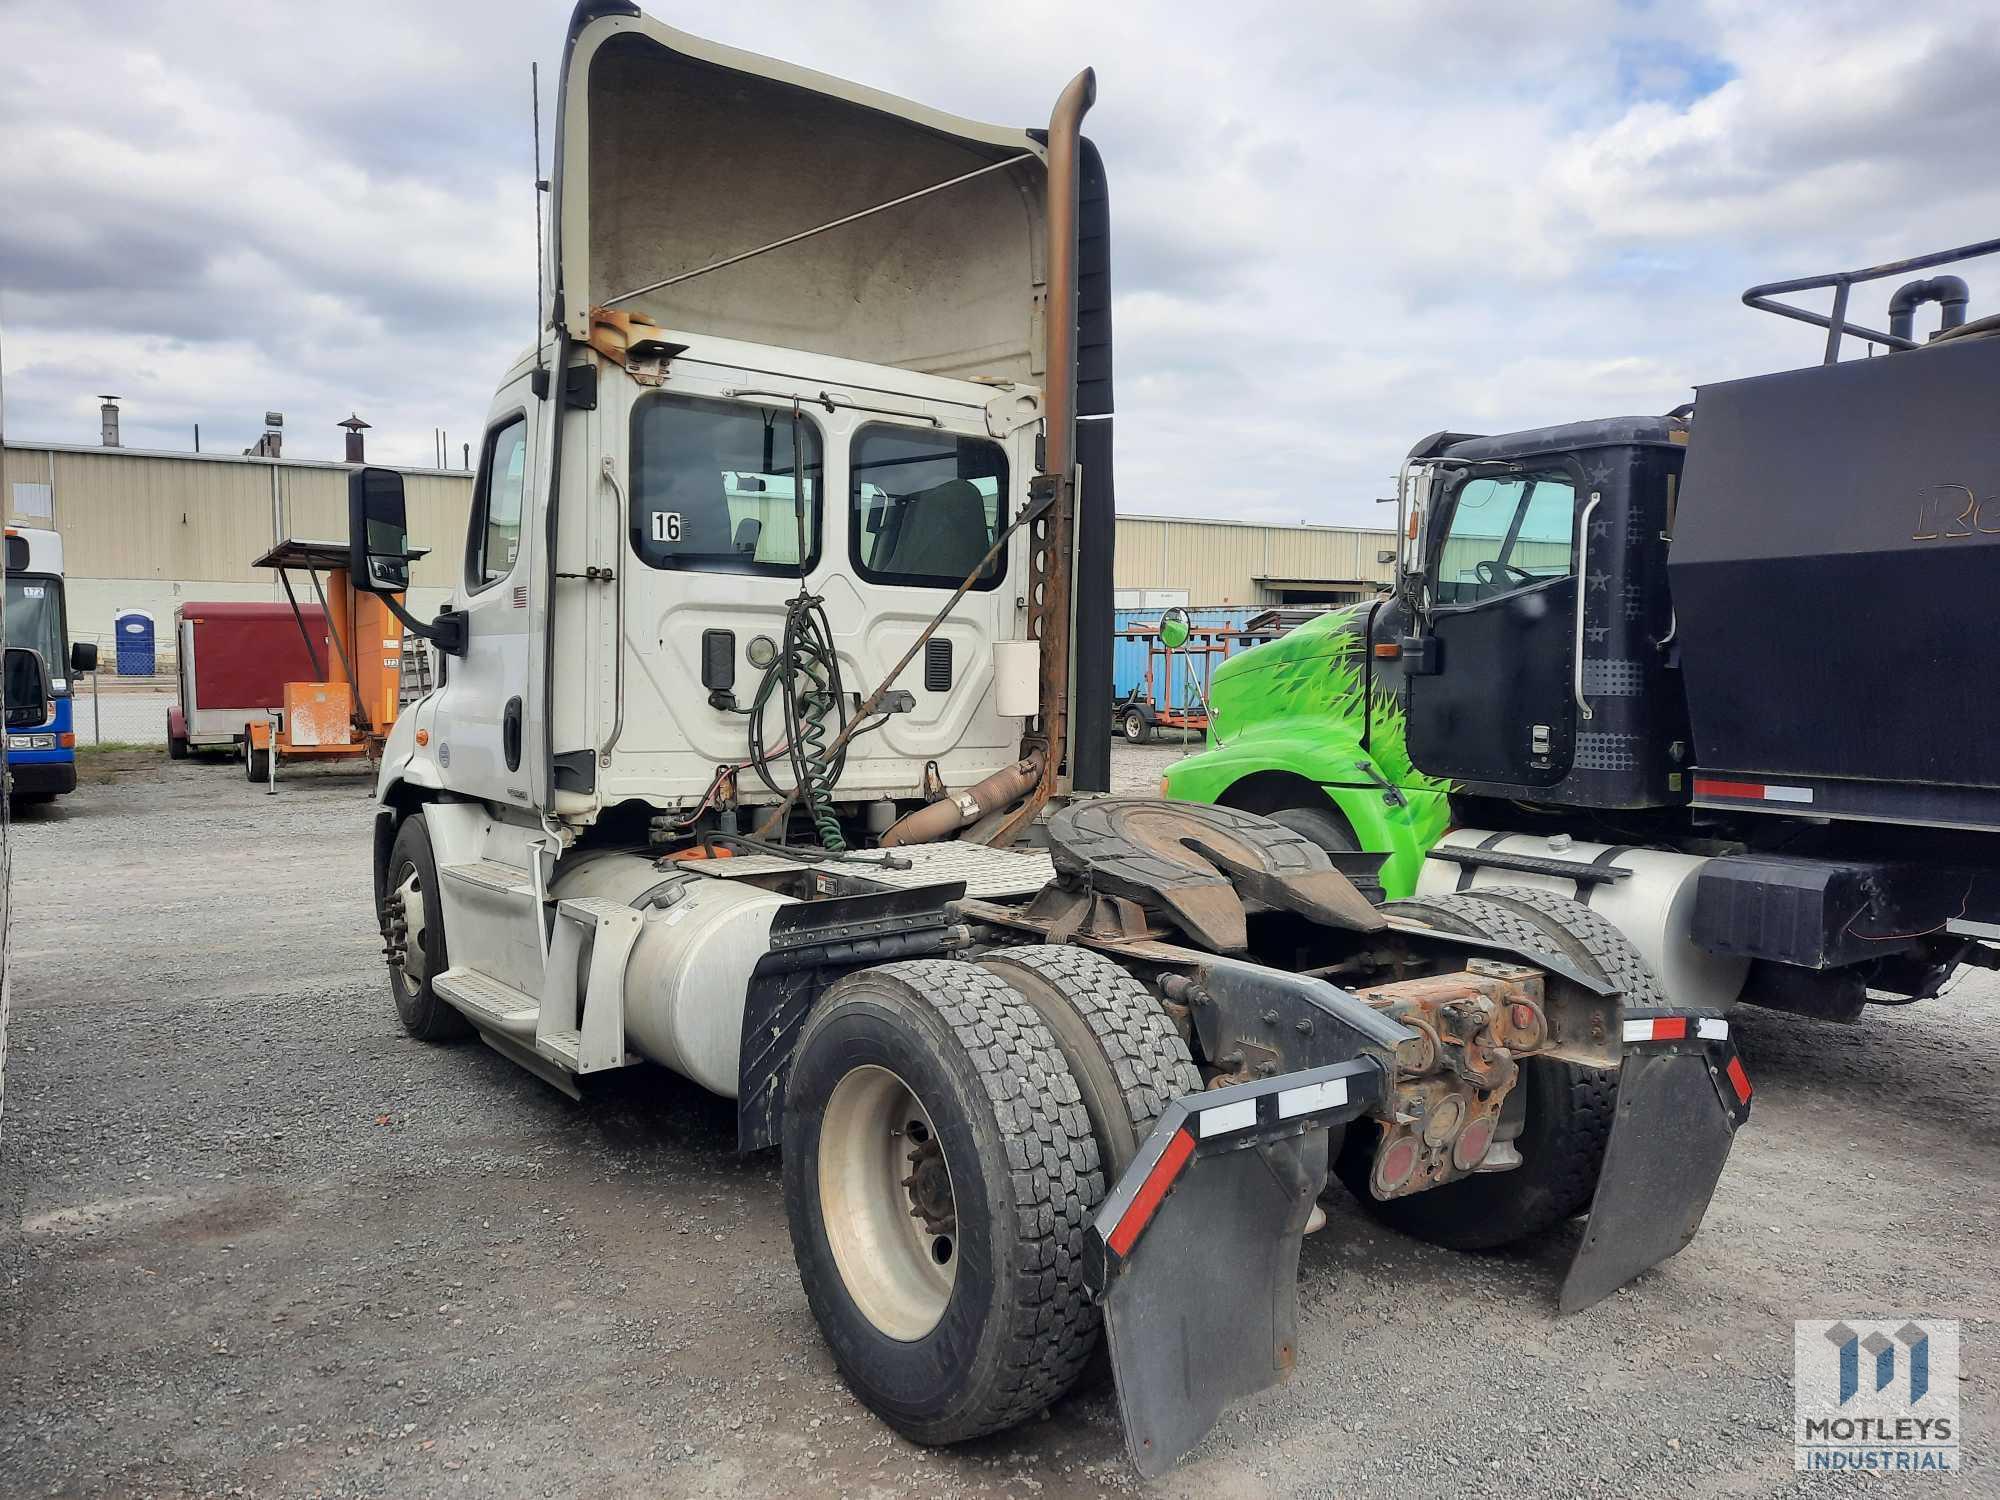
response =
{"points": [[1335, 228]]}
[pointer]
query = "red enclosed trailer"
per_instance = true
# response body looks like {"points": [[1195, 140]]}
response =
{"points": [[235, 660]]}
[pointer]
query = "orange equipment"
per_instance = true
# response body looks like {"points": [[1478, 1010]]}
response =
{"points": [[348, 713]]}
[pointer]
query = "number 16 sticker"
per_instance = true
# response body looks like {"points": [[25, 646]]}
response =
{"points": [[666, 526]]}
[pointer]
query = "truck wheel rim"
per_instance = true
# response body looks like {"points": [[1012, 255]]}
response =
{"points": [[410, 900], [885, 1195]]}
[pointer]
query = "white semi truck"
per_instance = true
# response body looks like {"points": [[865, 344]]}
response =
{"points": [[770, 747]]}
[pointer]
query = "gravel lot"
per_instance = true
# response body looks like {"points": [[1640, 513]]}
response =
{"points": [[255, 1241]]}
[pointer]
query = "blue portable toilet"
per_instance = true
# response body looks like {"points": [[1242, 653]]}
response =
{"points": [[133, 630]]}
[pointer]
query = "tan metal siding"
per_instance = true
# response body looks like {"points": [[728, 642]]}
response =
{"points": [[203, 520], [1222, 562], [142, 523]]}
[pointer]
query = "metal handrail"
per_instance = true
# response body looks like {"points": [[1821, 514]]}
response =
{"points": [[1835, 323], [1582, 603]]}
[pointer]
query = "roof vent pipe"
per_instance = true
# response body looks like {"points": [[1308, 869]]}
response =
{"points": [[109, 413], [355, 427], [1950, 294]]}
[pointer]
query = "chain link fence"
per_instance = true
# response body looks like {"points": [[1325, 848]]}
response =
{"points": [[107, 713]]}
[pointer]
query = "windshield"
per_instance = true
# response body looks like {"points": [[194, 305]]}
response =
{"points": [[35, 620]]}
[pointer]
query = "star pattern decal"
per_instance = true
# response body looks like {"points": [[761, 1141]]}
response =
{"points": [[1597, 633], [1599, 582], [1600, 528]]}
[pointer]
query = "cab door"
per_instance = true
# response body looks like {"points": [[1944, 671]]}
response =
{"points": [[480, 724], [1501, 607]]}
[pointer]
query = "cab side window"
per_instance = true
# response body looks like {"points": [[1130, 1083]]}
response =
{"points": [[1507, 532], [495, 539], [712, 486], [926, 507]]}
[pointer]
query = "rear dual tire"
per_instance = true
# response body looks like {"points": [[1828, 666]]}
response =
{"points": [[1036, 1072], [941, 1358]]}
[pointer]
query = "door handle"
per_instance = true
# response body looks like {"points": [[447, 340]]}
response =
{"points": [[510, 733], [1582, 599]]}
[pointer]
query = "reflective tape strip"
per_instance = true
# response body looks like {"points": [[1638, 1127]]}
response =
{"points": [[1147, 1200], [1664, 1029], [1738, 1080], [1314, 1096], [1751, 791], [1227, 1117], [1711, 1028]]}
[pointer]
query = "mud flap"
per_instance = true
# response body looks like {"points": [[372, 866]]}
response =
{"points": [[1195, 1252], [1682, 1093]]}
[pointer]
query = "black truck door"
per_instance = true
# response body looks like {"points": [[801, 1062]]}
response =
{"points": [[1497, 706]]}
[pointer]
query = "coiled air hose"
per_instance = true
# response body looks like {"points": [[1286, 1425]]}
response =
{"points": [[806, 677]]}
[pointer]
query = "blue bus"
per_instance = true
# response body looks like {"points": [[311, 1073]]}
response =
{"points": [[43, 758]]}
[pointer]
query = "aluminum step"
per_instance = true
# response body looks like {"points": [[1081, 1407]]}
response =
{"points": [[488, 875], [583, 1027], [488, 1002], [561, 1046]]}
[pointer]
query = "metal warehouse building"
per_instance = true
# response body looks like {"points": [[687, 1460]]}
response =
{"points": [[149, 530], [1244, 562]]}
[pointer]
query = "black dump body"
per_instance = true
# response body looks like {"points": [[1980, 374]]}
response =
{"points": [[1835, 573]]}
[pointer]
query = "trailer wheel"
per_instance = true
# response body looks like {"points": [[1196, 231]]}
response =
{"points": [[939, 1177], [256, 763], [1129, 1061], [1567, 1106], [413, 930], [177, 745], [1138, 728]]}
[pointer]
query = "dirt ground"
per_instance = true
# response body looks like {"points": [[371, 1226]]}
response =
{"points": [[257, 1242]]}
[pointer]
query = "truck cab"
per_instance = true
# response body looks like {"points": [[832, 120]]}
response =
{"points": [[689, 446], [693, 497]]}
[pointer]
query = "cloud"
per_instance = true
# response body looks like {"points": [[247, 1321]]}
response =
{"points": [[1331, 235]]}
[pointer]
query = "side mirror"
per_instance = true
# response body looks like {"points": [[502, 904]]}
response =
{"points": [[27, 689], [1176, 625], [82, 657], [378, 531]]}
